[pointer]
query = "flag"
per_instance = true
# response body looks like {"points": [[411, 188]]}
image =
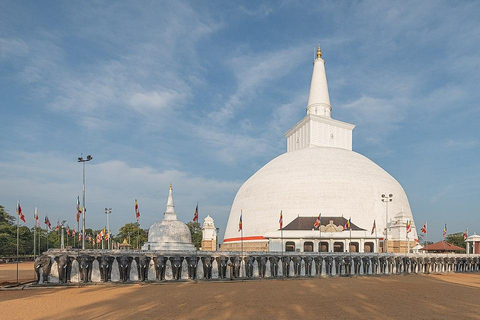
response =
{"points": [[58, 225], [107, 236], [347, 225], [137, 212], [47, 222], [79, 209], [424, 228], [444, 231], [73, 232], [68, 230], [409, 226], [37, 223], [373, 228], [465, 235], [195, 214], [240, 223], [79, 237], [19, 212], [317, 221], [281, 220]]}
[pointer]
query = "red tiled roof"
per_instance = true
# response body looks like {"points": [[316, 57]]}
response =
{"points": [[442, 246]]}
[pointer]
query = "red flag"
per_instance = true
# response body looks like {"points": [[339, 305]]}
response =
{"points": [[424, 228], [79, 237], [79, 209], [348, 225], [240, 225], [73, 232], [373, 228], [465, 235], [445, 231], [281, 220], [47, 222], [19, 212], [318, 221], [137, 212], [195, 214], [409, 226]]}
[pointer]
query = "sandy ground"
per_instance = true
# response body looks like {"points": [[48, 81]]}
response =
{"points": [[8, 273], [387, 297]]}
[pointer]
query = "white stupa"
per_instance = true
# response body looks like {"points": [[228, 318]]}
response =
{"points": [[319, 173], [169, 233]]}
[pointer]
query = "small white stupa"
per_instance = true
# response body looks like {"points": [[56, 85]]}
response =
{"points": [[169, 233]]}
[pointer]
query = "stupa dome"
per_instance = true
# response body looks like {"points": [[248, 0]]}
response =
{"points": [[169, 233]]}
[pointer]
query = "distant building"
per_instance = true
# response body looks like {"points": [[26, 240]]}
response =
{"points": [[441, 247], [473, 244], [209, 234]]}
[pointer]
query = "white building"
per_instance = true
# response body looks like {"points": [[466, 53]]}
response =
{"points": [[169, 233], [319, 173], [473, 244], [209, 234]]}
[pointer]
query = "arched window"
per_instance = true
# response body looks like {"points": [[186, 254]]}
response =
{"points": [[308, 246], [290, 246], [353, 247], [324, 247], [368, 247], [338, 247]]}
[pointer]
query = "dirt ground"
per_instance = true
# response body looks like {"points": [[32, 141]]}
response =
{"points": [[386, 297], [8, 273]]}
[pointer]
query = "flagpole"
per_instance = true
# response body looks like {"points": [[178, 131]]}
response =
{"points": [[18, 235], [319, 245], [241, 237], [376, 237], [35, 235]]}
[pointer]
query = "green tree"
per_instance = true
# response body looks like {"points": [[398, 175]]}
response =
{"points": [[196, 233], [130, 231], [456, 239]]}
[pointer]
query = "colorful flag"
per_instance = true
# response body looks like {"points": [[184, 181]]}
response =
{"points": [[19, 212], [107, 236], [444, 231], [240, 223], [58, 225], [373, 228], [79, 237], [424, 228], [465, 235], [195, 214], [68, 230], [137, 212], [37, 223], [47, 222], [347, 225], [79, 209], [409, 226], [281, 220], [74, 232], [317, 221]]}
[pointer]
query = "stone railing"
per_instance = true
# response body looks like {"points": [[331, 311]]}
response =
{"points": [[63, 266]]}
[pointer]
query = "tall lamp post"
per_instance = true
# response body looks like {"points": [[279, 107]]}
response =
{"points": [[81, 159], [107, 213], [386, 199]]}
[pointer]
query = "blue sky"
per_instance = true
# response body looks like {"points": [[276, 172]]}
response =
{"points": [[200, 94]]}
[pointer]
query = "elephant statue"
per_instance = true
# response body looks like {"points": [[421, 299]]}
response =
{"points": [[318, 265], [64, 266], [105, 265], [413, 265], [348, 265], [176, 267], [207, 267], [406, 264], [297, 265], [366, 265], [357, 263], [329, 265], [338, 265], [85, 267], [124, 265], [237, 264], [249, 266], [43, 262], [143, 264], [262, 266], [192, 267], [160, 265], [274, 266], [286, 266], [308, 265], [222, 266], [383, 264], [375, 263]]}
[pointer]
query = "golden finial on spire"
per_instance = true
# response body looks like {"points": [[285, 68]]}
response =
{"points": [[171, 186], [319, 52]]}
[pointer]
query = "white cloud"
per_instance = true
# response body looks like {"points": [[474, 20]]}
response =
{"points": [[151, 101]]}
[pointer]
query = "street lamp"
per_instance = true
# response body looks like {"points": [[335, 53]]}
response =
{"points": [[217, 231], [107, 213], [386, 199], [81, 159]]}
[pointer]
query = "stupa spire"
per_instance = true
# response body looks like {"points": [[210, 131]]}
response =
{"points": [[319, 99], [170, 213]]}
